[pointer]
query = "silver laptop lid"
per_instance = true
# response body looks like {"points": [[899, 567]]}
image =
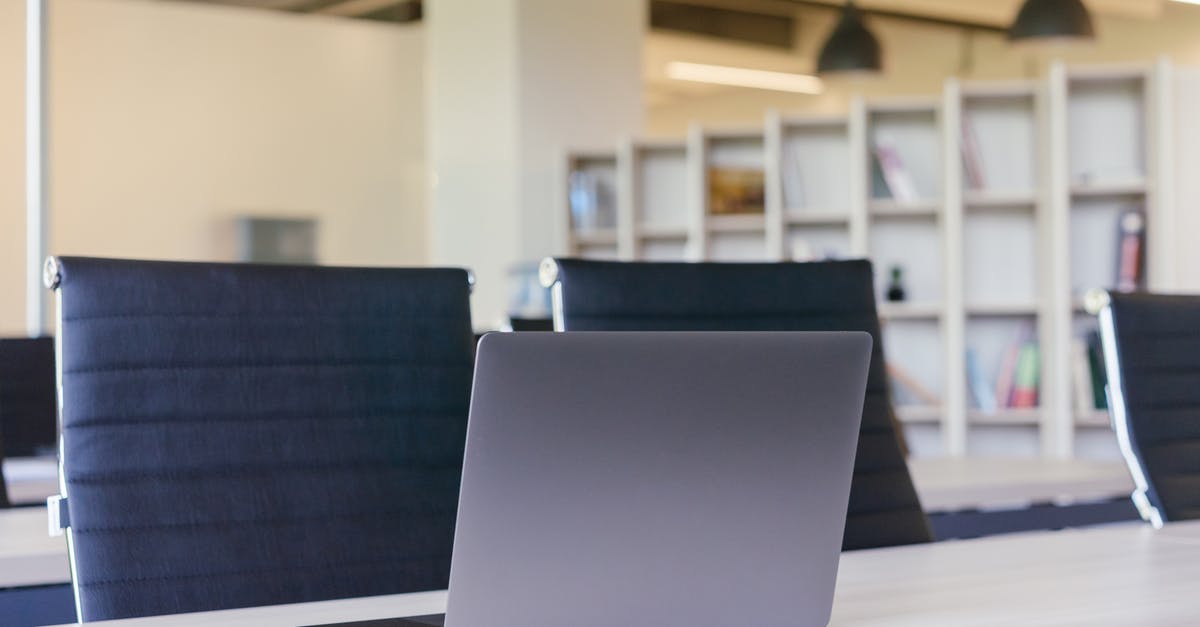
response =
{"points": [[656, 478]]}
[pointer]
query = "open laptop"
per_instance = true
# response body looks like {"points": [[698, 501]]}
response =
{"points": [[655, 479]]}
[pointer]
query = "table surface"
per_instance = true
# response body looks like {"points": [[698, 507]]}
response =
{"points": [[1126, 574], [28, 556], [949, 484], [31, 479], [945, 484]]}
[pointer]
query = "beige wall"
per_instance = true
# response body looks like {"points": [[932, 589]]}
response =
{"points": [[169, 119], [920, 57]]}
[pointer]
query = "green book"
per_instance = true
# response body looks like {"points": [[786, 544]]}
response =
{"points": [[1025, 386]]}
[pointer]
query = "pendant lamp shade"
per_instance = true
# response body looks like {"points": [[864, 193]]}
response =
{"points": [[1052, 19], [851, 47]]}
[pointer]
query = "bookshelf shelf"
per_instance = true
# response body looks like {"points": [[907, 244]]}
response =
{"points": [[1002, 309], [919, 414], [750, 223], [909, 311], [661, 232], [596, 237], [999, 202], [1011, 416], [809, 217], [1103, 189], [1097, 418], [889, 208], [989, 200]]}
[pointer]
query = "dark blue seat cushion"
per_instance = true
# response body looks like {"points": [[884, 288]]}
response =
{"points": [[825, 296], [1158, 344], [240, 435]]}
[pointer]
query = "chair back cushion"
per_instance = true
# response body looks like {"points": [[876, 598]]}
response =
{"points": [[241, 435], [1158, 348], [28, 407], [824, 296]]}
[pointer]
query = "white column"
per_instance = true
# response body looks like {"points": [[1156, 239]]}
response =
{"points": [[37, 191], [513, 85]]}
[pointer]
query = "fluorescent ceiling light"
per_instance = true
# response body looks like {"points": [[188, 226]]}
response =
{"points": [[1188, 1], [744, 77]]}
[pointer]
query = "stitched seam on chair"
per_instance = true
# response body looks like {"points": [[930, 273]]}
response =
{"points": [[431, 512], [1160, 369], [199, 474], [299, 364], [414, 415], [1161, 405], [341, 565]]}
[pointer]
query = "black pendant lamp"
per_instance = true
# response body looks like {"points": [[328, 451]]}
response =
{"points": [[851, 47], [1041, 20]]}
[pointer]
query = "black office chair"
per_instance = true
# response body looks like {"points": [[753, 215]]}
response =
{"points": [[1152, 358], [826, 296], [4, 502], [241, 435], [27, 396]]}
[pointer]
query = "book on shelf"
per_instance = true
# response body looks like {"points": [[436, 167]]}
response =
{"points": [[896, 177], [1019, 374], [735, 191], [904, 384], [793, 183], [1096, 370], [592, 202], [1025, 381], [972, 158], [1131, 250], [1083, 394], [983, 397]]}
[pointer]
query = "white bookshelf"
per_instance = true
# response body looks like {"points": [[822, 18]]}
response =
{"points": [[729, 237], [592, 231], [997, 249], [910, 233], [657, 222]]}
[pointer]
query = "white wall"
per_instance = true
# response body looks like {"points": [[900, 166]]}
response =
{"points": [[513, 84], [171, 118]]}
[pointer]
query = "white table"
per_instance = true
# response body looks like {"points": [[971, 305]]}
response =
{"points": [[951, 484], [31, 479], [29, 556], [1118, 575]]}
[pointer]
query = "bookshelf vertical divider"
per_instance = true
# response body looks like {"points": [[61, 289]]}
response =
{"points": [[697, 199], [629, 183], [860, 176], [954, 425], [1059, 443], [773, 182], [1160, 189]]}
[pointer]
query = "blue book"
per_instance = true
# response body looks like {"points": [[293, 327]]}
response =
{"points": [[982, 393]]}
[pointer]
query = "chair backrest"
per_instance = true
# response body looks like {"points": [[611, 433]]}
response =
{"points": [[1152, 358], [4, 502], [238, 435], [825, 296], [27, 396]]}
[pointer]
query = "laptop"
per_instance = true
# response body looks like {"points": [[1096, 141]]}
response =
{"points": [[645, 478]]}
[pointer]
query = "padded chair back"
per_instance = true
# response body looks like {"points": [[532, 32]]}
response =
{"points": [[27, 396], [241, 435], [4, 502], [826, 296], [1152, 358]]}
